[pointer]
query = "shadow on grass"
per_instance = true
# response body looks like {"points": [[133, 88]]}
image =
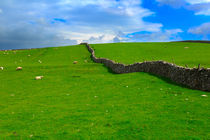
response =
{"points": [[167, 80]]}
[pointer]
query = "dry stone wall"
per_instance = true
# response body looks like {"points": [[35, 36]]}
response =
{"points": [[195, 41], [194, 78]]}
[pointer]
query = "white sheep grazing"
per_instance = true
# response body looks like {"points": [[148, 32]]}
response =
{"points": [[75, 62], [204, 95], [39, 77], [19, 68], [40, 61], [1, 68]]}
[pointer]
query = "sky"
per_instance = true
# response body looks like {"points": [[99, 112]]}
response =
{"points": [[48, 23]]}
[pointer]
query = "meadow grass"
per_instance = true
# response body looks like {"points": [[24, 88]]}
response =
{"points": [[180, 53], [86, 101]]}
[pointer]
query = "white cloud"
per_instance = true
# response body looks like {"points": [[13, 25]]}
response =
{"points": [[201, 7], [116, 39], [178, 2], [105, 38], [30, 36], [92, 20], [173, 3], [128, 7], [162, 36], [197, 1], [206, 13], [126, 15], [203, 29]]}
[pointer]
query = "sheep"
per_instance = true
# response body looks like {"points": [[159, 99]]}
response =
{"points": [[75, 62], [204, 95], [40, 61], [39, 77], [19, 68], [1, 68]]}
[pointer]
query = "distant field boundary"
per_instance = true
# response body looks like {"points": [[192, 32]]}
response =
{"points": [[194, 78]]}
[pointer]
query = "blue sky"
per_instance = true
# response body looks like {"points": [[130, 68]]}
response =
{"points": [[45, 23]]}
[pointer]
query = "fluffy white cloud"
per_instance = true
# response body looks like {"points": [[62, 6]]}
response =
{"points": [[178, 2], [91, 20], [204, 12], [116, 39], [106, 38], [197, 1], [126, 15], [201, 7], [30, 36], [162, 36], [173, 3], [203, 29]]}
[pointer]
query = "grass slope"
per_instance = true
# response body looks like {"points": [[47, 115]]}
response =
{"points": [[85, 101], [180, 53]]}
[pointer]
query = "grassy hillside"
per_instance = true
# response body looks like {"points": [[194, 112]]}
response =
{"points": [[86, 101], [180, 53]]}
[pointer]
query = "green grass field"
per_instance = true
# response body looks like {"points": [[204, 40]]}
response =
{"points": [[85, 101], [180, 53]]}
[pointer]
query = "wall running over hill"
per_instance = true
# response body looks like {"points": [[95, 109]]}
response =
{"points": [[194, 78]]}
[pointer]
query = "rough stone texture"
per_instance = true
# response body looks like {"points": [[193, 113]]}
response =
{"points": [[195, 78], [195, 41]]}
